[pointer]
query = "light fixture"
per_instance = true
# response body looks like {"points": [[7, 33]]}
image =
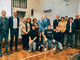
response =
{"points": [[68, 1]]}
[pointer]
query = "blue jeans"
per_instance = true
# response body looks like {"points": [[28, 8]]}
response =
{"points": [[49, 43], [58, 45], [32, 46]]}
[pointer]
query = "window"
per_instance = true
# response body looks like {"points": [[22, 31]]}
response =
{"points": [[20, 3]]}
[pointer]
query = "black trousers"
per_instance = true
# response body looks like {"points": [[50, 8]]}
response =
{"points": [[63, 35], [5, 36], [14, 32], [77, 38], [70, 39], [37, 46], [25, 41]]}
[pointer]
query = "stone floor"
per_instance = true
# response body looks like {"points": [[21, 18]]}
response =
{"points": [[48, 55]]}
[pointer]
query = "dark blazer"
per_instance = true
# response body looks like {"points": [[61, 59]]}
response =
{"points": [[7, 25], [68, 27], [11, 22], [55, 23]]}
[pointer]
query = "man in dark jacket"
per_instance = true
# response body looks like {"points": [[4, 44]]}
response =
{"points": [[4, 31], [77, 30], [70, 32], [57, 39], [14, 30], [55, 22]]}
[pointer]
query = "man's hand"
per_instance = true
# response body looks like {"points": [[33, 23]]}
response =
{"points": [[60, 44], [26, 33], [54, 29], [31, 41], [70, 31], [54, 41], [41, 45], [43, 29]]}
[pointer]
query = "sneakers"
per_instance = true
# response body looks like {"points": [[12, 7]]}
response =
{"points": [[7, 53], [45, 49], [54, 48], [29, 51]]}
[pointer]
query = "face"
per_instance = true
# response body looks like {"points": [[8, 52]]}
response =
{"points": [[33, 27], [66, 18], [49, 27], [57, 28], [45, 16], [34, 20], [25, 19], [62, 19], [77, 16], [40, 34], [70, 20], [3, 13], [58, 17], [28, 20], [41, 18], [15, 13]]}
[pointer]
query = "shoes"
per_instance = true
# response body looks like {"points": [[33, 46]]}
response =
{"points": [[29, 51], [11, 51], [16, 50], [45, 49], [7, 53], [54, 48]]}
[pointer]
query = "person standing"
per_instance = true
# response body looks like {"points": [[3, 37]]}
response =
{"points": [[24, 33], [36, 24], [62, 27], [4, 31], [46, 22], [77, 30], [14, 30], [40, 25], [70, 32], [55, 22]]}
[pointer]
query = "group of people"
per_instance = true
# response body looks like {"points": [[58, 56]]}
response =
{"points": [[36, 35]]}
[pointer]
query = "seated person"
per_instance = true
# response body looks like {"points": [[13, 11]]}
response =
{"points": [[39, 43], [58, 39], [32, 38], [48, 37]]}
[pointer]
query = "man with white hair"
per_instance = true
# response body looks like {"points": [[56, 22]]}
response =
{"points": [[4, 31], [14, 30], [77, 29]]}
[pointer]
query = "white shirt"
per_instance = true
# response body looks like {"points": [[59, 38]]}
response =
{"points": [[14, 23], [39, 39], [70, 26]]}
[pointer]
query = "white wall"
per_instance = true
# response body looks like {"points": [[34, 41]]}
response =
{"points": [[5, 5], [58, 7]]}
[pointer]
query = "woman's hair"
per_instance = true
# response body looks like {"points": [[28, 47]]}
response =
{"points": [[34, 19], [62, 17], [29, 19], [71, 18]]}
